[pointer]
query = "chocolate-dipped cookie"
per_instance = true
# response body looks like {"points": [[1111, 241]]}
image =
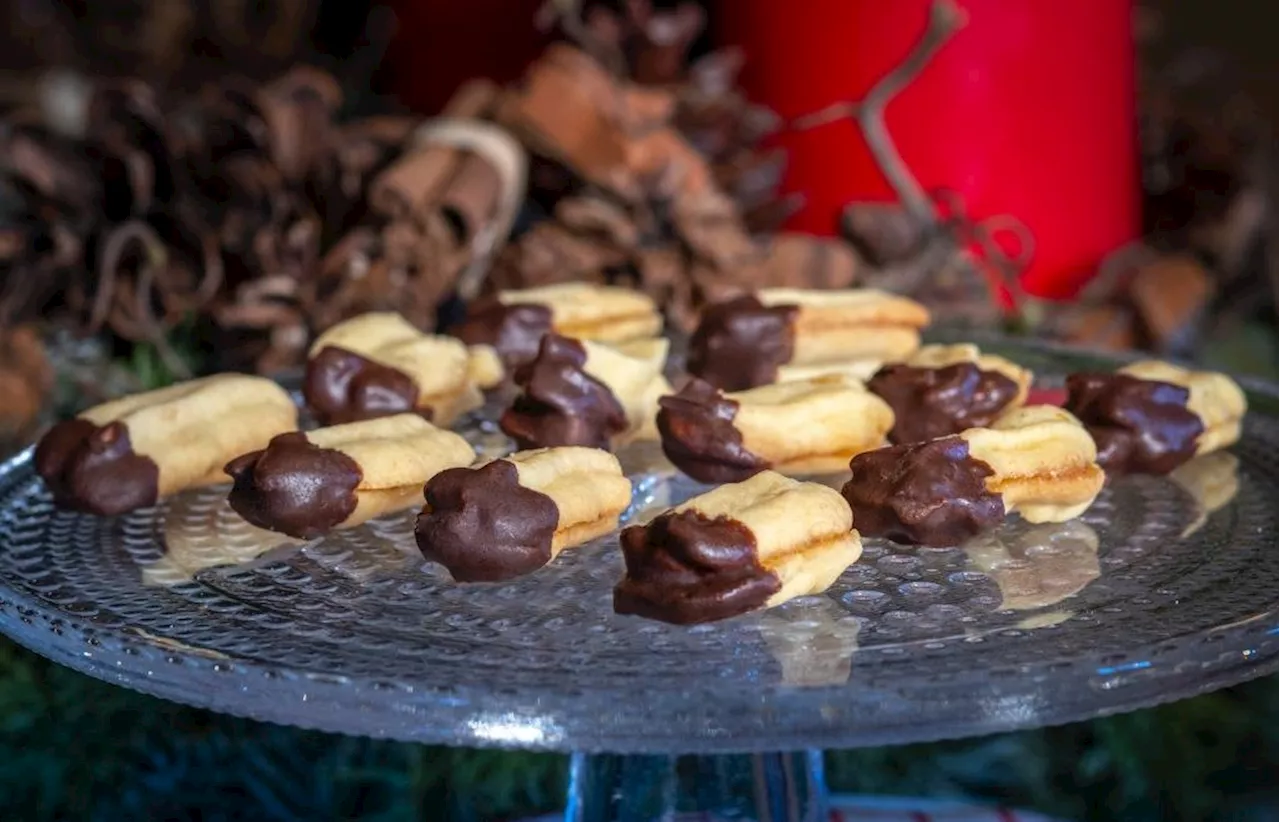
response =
{"points": [[783, 334], [512, 332], [1150, 417], [1037, 460], [133, 452], [560, 403], [924, 493], [513, 515], [305, 484], [377, 364], [735, 549], [799, 427], [944, 389], [514, 322], [578, 392]]}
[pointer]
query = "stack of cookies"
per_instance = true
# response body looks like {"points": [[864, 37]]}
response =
{"points": [[934, 444]]}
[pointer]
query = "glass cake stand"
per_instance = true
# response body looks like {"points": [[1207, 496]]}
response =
{"points": [[1164, 589]]}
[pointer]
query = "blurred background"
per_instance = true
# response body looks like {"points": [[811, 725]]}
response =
{"points": [[190, 184]]}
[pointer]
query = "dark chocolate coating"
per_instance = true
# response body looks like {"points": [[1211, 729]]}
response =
{"points": [[929, 403], [560, 403], [686, 568], [342, 386], [1140, 426], [926, 493], [94, 469], [513, 330], [696, 426], [740, 343], [484, 526], [294, 487]]}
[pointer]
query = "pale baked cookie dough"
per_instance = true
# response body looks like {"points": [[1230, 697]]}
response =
{"points": [[132, 452], [802, 427], [735, 549], [511, 516], [378, 364], [305, 484]]}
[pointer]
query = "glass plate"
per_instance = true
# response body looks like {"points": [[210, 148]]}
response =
{"points": [[1166, 588]]}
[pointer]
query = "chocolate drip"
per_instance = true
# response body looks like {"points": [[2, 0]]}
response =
{"points": [[929, 403], [294, 486], [94, 468], [685, 568], [699, 438], [740, 343], [1140, 426], [343, 386], [561, 404], [484, 526], [928, 493], [514, 330]]}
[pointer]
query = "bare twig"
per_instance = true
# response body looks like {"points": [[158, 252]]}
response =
{"points": [[568, 15], [945, 19]]}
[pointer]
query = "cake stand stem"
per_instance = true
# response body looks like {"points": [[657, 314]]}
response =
{"points": [[765, 787]]}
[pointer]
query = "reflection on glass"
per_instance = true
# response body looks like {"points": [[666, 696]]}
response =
{"points": [[201, 531], [376, 548], [1046, 619], [644, 457], [835, 481], [813, 639], [1038, 565], [1212, 480]]}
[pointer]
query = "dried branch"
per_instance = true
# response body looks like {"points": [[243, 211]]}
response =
{"points": [[945, 19]]}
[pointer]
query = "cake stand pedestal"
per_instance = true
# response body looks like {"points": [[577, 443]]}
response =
{"points": [[781, 787]]}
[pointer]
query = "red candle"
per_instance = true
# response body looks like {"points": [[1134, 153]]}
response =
{"points": [[1027, 111]]}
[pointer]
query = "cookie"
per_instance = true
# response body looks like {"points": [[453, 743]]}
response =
{"points": [[750, 340], [577, 392], [857, 369], [943, 389], [1037, 460], [484, 368], [514, 322], [306, 484], [378, 364], [633, 372], [134, 451], [736, 548], [513, 515], [801, 427], [1150, 417]]}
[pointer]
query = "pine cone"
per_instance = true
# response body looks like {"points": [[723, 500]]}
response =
{"points": [[26, 379]]}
